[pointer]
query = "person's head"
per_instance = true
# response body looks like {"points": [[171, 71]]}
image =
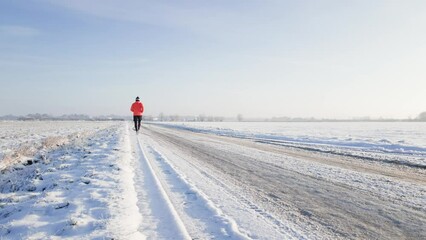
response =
{"points": [[137, 98]]}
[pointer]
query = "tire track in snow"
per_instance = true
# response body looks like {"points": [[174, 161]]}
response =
{"points": [[196, 206], [284, 229], [170, 225]]}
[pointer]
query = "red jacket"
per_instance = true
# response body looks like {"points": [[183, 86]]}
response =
{"points": [[137, 108]]}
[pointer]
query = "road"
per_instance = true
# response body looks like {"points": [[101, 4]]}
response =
{"points": [[298, 193]]}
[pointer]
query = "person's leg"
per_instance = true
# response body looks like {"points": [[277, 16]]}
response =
{"points": [[139, 122], [135, 119]]}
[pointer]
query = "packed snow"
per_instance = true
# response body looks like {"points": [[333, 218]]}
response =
{"points": [[101, 180]]}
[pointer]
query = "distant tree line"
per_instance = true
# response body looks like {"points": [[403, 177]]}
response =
{"points": [[200, 118], [177, 118], [66, 117], [420, 118]]}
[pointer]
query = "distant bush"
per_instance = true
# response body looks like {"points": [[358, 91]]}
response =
{"points": [[422, 116]]}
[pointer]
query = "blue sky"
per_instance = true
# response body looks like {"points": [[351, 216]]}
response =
{"points": [[259, 58]]}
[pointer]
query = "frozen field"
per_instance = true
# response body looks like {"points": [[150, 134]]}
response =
{"points": [[101, 180], [19, 139], [387, 134], [66, 180], [400, 142]]}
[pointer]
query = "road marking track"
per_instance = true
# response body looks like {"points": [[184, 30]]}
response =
{"points": [[150, 173]]}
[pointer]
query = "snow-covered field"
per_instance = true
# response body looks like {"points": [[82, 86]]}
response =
{"points": [[101, 180], [23, 139], [402, 142], [341, 133], [75, 182]]}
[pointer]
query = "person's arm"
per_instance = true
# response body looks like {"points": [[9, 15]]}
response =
{"points": [[142, 108], [131, 108]]}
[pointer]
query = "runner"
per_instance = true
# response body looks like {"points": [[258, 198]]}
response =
{"points": [[137, 109]]}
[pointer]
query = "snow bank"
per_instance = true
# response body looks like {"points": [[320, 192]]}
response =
{"points": [[82, 189]]}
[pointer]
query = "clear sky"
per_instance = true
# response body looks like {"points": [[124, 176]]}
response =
{"points": [[259, 58]]}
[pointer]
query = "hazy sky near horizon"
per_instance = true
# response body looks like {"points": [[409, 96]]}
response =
{"points": [[259, 58]]}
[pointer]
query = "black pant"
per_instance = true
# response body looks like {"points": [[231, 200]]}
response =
{"points": [[137, 120]]}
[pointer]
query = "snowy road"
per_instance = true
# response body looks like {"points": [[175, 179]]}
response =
{"points": [[170, 206], [221, 187]]}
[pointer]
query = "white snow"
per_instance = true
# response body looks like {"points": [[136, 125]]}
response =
{"points": [[21, 140], [100, 180], [402, 142], [83, 189], [254, 217], [172, 225], [202, 218], [362, 134]]}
